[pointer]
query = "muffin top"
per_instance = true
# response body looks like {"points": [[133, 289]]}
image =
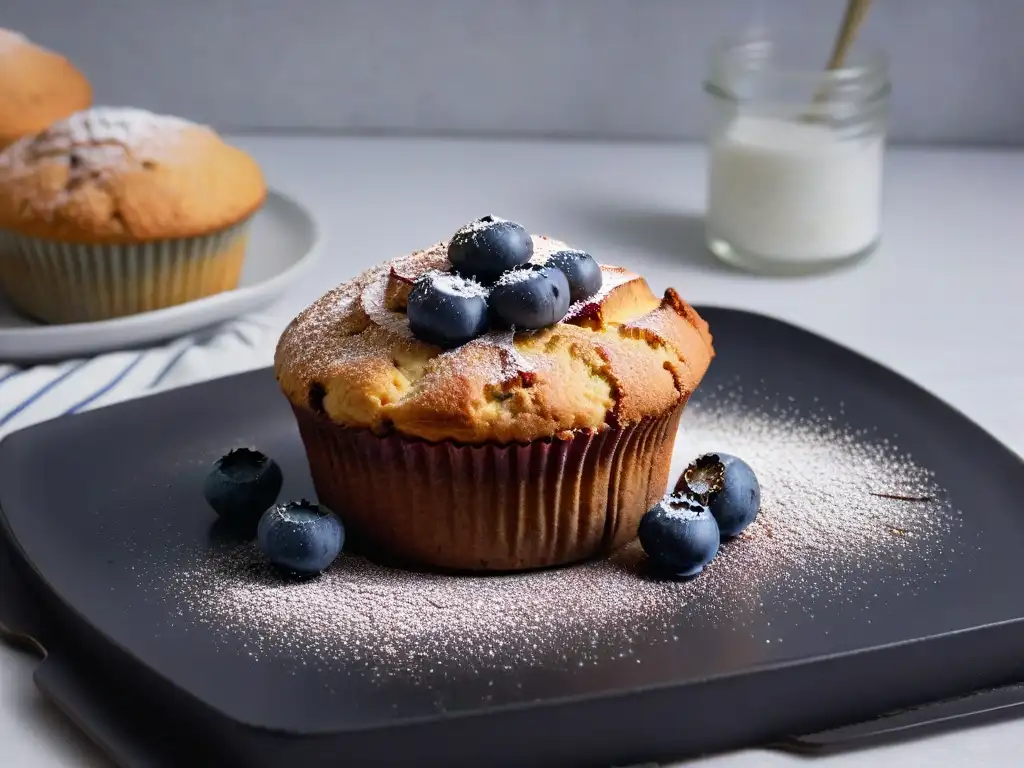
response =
{"points": [[37, 86], [113, 175], [617, 357]]}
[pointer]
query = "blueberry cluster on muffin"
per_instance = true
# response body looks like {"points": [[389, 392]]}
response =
{"points": [[493, 282], [498, 401]]}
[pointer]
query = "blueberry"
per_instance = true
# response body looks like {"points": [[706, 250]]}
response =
{"points": [[300, 537], [531, 297], [679, 535], [728, 486], [488, 247], [581, 270], [446, 309], [242, 485]]}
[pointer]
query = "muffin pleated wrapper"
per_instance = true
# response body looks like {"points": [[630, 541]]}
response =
{"points": [[59, 282], [491, 507]]}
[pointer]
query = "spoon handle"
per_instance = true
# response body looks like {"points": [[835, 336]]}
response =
{"points": [[856, 10]]}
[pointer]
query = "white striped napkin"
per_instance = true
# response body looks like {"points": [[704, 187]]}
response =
{"points": [[32, 394]]}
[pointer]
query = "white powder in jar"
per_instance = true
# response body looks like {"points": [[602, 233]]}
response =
{"points": [[794, 191]]}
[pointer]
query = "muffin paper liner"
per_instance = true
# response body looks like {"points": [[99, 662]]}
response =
{"points": [[59, 282], [490, 507]]}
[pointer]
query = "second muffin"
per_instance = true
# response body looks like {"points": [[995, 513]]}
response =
{"points": [[116, 211]]}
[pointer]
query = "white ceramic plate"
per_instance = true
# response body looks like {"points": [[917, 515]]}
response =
{"points": [[281, 247]]}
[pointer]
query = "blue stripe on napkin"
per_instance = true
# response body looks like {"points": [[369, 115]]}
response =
{"points": [[9, 372], [108, 387], [169, 366], [30, 394], [190, 342], [39, 393]]}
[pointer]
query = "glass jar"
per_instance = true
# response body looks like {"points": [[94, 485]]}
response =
{"points": [[795, 152]]}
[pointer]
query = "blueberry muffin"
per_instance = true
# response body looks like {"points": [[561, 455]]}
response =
{"points": [[37, 87], [116, 211], [495, 402]]}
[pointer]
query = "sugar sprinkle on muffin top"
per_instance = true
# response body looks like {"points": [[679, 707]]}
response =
{"points": [[618, 357], [115, 174], [10, 41], [101, 141]]}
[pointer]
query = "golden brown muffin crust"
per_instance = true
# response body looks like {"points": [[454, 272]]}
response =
{"points": [[116, 175], [618, 358], [37, 87]]}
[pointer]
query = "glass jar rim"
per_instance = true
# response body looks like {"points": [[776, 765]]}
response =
{"points": [[872, 62]]}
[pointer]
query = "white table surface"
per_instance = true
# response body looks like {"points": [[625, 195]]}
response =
{"points": [[941, 302]]}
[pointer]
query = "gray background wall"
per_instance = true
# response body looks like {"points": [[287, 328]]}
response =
{"points": [[596, 68]]}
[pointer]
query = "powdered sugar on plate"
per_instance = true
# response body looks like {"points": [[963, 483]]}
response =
{"points": [[843, 513]]}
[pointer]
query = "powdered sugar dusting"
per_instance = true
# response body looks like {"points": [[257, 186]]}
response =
{"points": [[456, 284], [479, 225], [102, 140], [509, 363], [11, 41], [823, 539], [681, 508], [611, 278], [500, 362], [514, 276], [408, 268], [501, 368], [133, 128], [374, 303], [544, 247]]}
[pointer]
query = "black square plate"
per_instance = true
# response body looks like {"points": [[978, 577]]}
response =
{"points": [[883, 572]]}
